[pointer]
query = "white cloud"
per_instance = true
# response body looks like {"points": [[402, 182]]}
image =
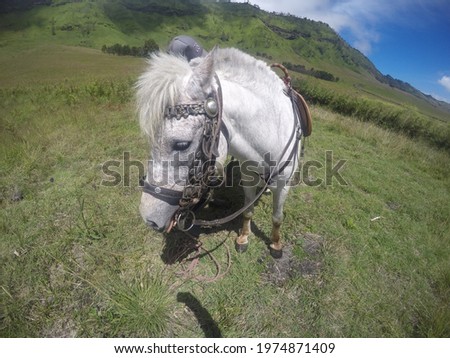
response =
{"points": [[355, 16], [360, 18], [445, 82]]}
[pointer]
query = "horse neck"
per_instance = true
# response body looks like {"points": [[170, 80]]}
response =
{"points": [[259, 121]]}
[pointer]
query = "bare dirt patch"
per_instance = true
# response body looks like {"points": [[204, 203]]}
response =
{"points": [[290, 265]]}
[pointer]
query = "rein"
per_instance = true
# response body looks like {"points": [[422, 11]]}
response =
{"points": [[196, 192]]}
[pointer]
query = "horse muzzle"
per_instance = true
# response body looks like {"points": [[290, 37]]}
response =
{"points": [[156, 213]]}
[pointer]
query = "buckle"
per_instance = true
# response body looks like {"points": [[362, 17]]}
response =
{"points": [[185, 220]]}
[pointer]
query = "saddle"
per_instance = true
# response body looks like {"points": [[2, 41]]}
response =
{"points": [[299, 104]]}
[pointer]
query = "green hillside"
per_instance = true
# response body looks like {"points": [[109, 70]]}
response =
{"points": [[314, 45], [325, 68]]}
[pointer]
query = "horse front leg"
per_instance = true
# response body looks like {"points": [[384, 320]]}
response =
{"points": [[279, 197], [242, 239]]}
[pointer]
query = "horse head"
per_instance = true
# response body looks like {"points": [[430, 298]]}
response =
{"points": [[177, 101]]}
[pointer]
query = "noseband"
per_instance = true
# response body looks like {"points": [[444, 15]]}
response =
{"points": [[201, 174]]}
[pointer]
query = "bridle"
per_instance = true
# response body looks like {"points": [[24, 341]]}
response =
{"points": [[201, 174], [201, 177]]}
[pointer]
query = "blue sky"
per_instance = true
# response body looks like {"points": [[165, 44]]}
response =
{"points": [[407, 39]]}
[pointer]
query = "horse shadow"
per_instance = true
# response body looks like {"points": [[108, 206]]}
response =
{"points": [[204, 318]]}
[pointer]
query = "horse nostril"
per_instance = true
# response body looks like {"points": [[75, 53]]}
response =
{"points": [[154, 225]]}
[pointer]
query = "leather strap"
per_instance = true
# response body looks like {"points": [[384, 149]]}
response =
{"points": [[170, 196]]}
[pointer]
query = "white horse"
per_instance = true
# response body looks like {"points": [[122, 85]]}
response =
{"points": [[258, 126]]}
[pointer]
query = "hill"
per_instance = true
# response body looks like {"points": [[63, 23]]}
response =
{"points": [[306, 44]]}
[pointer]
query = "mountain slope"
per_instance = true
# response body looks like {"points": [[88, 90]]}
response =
{"points": [[305, 43]]}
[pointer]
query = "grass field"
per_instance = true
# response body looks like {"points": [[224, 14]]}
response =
{"points": [[367, 259]]}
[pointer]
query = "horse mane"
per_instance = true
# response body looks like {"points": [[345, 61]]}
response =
{"points": [[164, 78], [236, 66], [161, 83]]}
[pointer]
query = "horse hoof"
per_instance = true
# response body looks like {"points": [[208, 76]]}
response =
{"points": [[276, 254], [241, 247]]}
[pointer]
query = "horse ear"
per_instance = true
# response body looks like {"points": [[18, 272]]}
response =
{"points": [[203, 73]]}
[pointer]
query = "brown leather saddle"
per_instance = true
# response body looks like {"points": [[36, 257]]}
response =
{"points": [[298, 102], [300, 105]]}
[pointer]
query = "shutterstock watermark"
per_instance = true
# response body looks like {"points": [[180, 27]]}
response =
{"points": [[251, 173]]}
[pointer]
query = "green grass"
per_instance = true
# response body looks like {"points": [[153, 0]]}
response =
{"points": [[49, 64], [77, 260], [387, 115]]}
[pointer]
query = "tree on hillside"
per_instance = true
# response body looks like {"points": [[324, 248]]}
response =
{"points": [[150, 46], [125, 50]]}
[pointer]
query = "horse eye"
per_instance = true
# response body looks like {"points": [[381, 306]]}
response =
{"points": [[180, 146]]}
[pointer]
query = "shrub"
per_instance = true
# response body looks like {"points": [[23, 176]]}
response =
{"points": [[407, 121], [125, 50]]}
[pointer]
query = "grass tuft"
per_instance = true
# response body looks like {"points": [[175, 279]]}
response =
{"points": [[139, 308]]}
